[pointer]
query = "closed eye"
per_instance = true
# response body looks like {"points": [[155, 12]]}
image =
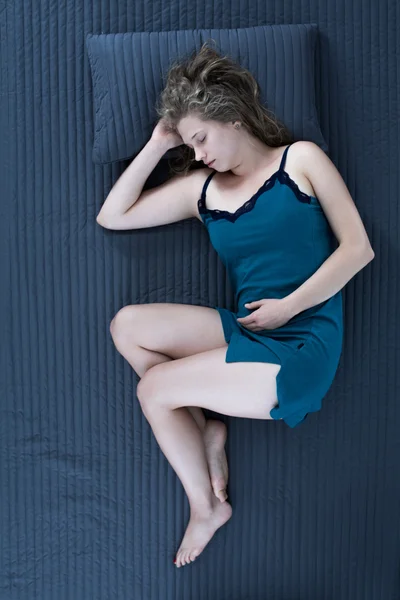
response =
{"points": [[200, 142]]}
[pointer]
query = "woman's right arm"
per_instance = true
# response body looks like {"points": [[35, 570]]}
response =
{"points": [[128, 207], [126, 191]]}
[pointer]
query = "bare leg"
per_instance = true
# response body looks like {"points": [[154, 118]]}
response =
{"points": [[141, 360], [199, 441], [214, 432], [182, 443]]}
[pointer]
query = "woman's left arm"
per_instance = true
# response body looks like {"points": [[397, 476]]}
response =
{"points": [[331, 276], [354, 251]]}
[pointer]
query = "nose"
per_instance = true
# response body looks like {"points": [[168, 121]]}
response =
{"points": [[199, 155]]}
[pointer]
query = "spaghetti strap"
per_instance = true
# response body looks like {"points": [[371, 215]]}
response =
{"points": [[282, 165], [205, 186]]}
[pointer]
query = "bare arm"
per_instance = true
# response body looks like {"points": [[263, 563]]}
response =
{"points": [[128, 188]]}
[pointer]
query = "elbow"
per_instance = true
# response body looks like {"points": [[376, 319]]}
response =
{"points": [[369, 253], [365, 253], [361, 252], [101, 222]]}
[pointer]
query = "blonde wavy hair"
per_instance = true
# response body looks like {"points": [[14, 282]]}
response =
{"points": [[214, 87]]}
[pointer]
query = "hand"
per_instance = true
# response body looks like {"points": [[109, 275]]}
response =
{"points": [[269, 314], [164, 135]]}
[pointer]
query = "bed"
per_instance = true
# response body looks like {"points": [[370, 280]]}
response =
{"points": [[90, 508]]}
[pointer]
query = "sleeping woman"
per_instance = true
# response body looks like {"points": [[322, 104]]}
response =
{"points": [[273, 208]]}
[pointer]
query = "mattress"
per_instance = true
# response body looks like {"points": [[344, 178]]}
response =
{"points": [[89, 506]]}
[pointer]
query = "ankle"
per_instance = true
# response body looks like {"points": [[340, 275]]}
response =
{"points": [[203, 507]]}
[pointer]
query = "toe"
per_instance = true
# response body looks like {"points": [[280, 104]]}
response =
{"points": [[219, 487], [193, 555], [222, 495]]}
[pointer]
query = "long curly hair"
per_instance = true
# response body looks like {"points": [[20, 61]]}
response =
{"points": [[214, 87]]}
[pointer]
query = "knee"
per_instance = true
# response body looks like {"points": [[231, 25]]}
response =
{"points": [[122, 322], [149, 386], [112, 326], [143, 389]]}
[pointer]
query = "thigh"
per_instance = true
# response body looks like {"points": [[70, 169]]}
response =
{"points": [[177, 330], [240, 389]]}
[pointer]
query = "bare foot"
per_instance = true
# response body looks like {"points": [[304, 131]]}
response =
{"points": [[200, 530], [214, 436]]}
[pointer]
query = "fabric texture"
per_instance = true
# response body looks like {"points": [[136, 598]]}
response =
{"points": [[90, 509], [128, 74], [270, 246]]}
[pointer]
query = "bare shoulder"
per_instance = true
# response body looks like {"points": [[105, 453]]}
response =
{"points": [[198, 178], [334, 197], [311, 161], [302, 159], [305, 151]]}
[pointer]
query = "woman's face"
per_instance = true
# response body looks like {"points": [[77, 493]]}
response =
{"points": [[212, 141]]}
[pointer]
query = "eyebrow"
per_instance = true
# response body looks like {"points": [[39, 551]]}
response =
{"points": [[194, 135]]}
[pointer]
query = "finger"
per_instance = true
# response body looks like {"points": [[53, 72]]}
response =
{"points": [[251, 326]]}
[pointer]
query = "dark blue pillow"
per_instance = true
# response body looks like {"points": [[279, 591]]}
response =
{"points": [[128, 74]]}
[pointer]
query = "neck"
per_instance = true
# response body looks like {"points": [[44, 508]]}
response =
{"points": [[255, 158]]}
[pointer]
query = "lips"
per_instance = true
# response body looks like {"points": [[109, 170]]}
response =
{"points": [[210, 163]]}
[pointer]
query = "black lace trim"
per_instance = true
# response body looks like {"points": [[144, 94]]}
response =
{"points": [[283, 178]]}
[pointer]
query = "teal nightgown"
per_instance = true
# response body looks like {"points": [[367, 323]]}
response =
{"points": [[270, 246]]}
